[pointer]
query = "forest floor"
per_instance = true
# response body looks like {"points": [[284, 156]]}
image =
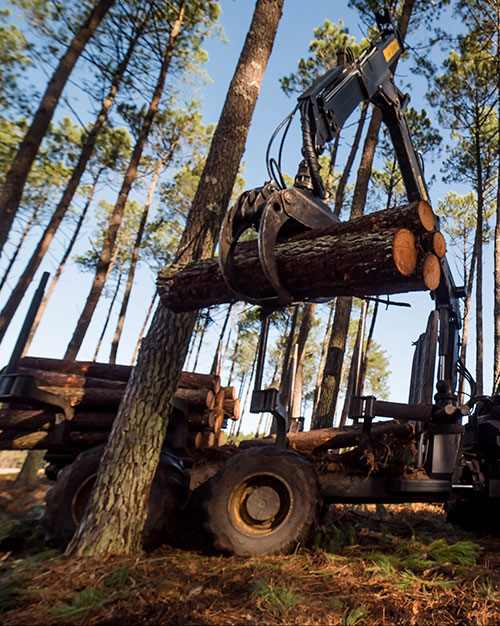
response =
{"points": [[366, 565]]}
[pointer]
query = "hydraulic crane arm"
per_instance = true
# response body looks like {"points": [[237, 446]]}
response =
{"points": [[277, 211], [327, 104]]}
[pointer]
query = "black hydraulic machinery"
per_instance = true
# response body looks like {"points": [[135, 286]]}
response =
{"points": [[275, 212]]}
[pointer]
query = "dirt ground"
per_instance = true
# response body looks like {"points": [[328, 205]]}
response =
{"points": [[365, 565]]}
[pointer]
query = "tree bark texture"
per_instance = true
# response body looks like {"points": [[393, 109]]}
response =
{"points": [[353, 263], [116, 516], [15, 178]]}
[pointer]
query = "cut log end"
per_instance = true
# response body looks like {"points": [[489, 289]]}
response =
{"points": [[426, 214], [404, 251], [439, 244], [431, 271]]}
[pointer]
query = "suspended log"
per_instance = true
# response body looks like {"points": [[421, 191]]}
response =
{"points": [[416, 216], [359, 264]]}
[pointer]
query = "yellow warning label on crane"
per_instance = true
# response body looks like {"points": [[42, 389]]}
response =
{"points": [[391, 49]]}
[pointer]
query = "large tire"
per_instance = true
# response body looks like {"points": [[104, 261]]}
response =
{"points": [[67, 498], [263, 501]]}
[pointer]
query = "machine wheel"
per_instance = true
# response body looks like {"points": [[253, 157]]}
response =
{"points": [[67, 498], [263, 501]]}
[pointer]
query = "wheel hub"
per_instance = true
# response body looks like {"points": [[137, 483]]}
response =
{"points": [[263, 504]]}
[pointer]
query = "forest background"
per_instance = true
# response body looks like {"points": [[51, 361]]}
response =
{"points": [[396, 328]]}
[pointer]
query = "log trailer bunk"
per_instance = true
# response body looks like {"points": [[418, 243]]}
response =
{"points": [[268, 498]]}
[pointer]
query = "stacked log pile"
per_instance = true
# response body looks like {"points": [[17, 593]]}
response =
{"points": [[391, 251], [95, 391]]}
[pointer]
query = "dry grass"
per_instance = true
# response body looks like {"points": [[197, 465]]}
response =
{"points": [[370, 566]]}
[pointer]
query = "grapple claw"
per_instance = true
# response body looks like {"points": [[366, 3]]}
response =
{"points": [[274, 213]]}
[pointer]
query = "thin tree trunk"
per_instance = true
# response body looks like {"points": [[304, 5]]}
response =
{"points": [[203, 332], [331, 169], [339, 195], [324, 352], [26, 230], [57, 275], [28, 476], [496, 306], [216, 363], [303, 335], [478, 244], [134, 261], [141, 422], [15, 178], [108, 316], [117, 214], [369, 340], [143, 329], [236, 347], [228, 339], [355, 368], [33, 264], [286, 373]]}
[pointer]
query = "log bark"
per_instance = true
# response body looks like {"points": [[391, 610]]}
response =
{"points": [[49, 378], [196, 397], [356, 263], [105, 373], [334, 438], [84, 368]]}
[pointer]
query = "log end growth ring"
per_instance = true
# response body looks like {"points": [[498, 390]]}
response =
{"points": [[426, 214], [404, 251], [431, 271]]}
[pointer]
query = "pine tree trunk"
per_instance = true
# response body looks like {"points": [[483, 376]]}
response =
{"points": [[203, 332], [353, 379], [133, 263], [26, 230], [15, 178], [339, 195], [28, 476], [57, 275], [322, 361], [143, 329], [216, 363], [108, 316], [142, 418], [286, 373], [496, 305], [33, 264], [119, 208]]}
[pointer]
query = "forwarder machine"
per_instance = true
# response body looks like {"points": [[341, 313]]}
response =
{"points": [[267, 499]]}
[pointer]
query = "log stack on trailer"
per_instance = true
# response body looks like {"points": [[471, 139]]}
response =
{"points": [[95, 390]]}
